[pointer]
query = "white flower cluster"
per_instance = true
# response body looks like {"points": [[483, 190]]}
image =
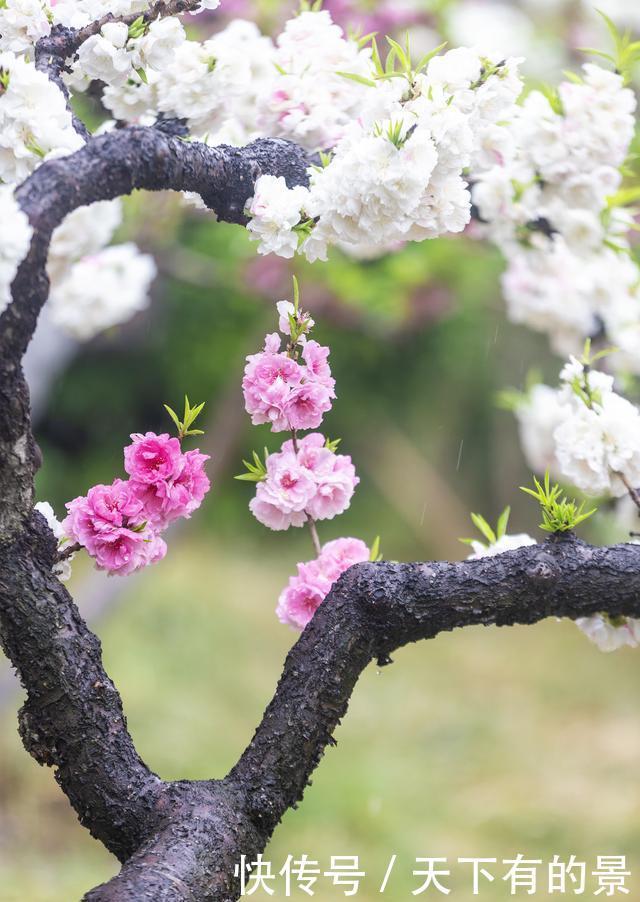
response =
{"points": [[15, 238], [399, 171], [78, 13], [128, 60], [583, 432], [102, 290], [308, 100], [93, 288], [22, 24], [34, 121], [546, 205], [216, 85]]}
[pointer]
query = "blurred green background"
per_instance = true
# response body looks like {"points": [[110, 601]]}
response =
{"points": [[482, 743]]}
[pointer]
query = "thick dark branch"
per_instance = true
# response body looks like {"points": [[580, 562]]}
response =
{"points": [[73, 716], [377, 608], [72, 719], [373, 610]]}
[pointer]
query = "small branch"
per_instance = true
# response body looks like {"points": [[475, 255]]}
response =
{"points": [[68, 552], [315, 538], [633, 492]]}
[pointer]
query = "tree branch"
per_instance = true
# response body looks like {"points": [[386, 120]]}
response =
{"points": [[371, 611]]}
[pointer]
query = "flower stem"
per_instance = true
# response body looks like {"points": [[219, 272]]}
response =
{"points": [[313, 529]]}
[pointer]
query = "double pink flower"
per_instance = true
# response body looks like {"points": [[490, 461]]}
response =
{"points": [[316, 482], [120, 524], [281, 391]]}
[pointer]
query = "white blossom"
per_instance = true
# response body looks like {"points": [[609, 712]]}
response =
{"points": [[504, 543], [307, 100], [22, 24], [598, 448], [77, 13], [105, 56], [15, 238], [34, 119], [102, 290], [62, 569], [543, 409], [610, 635], [157, 46], [84, 232], [215, 84], [275, 211]]}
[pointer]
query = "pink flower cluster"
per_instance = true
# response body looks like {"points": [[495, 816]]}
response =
{"points": [[281, 391], [306, 480], [120, 524], [316, 482], [300, 600]]}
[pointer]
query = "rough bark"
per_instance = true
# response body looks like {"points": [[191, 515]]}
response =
{"points": [[181, 840]]}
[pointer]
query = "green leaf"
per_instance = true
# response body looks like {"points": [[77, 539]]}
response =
{"points": [[174, 416], [137, 28], [353, 76], [401, 54], [375, 57], [296, 295], [483, 527], [366, 39], [426, 59], [559, 514], [503, 522], [571, 76], [142, 75], [374, 554]]}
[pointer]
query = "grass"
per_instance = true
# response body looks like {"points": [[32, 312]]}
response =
{"points": [[484, 742]]}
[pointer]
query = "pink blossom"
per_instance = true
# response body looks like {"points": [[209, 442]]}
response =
{"points": [[334, 474], [119, 524], [105, 509], [343, 553], [272, 516], [306, 405], [316, 357], [269, 378], [170, 499], [121, 551], [334, 489], [317, 482], [306, 590], [152, 458], [281, 499]]}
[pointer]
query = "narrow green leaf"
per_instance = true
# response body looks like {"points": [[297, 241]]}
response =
{"points": [[353, 76], [481, 524], [503, 522]]}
